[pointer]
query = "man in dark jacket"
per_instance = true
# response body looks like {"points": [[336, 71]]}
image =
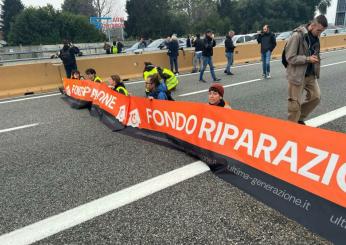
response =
{"points": [[207, 53], [173, 53], [67, 55], [268, 43], [198, 44], [229, 50]]}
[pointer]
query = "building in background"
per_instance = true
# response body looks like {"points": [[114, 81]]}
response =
{"points": [[340, 19]]}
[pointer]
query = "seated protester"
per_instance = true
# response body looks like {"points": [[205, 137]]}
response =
{"points": [[76, 75], [215, 96], [91, 75], [170, 79], [114, 48], [149, 70], [117, 85], [156, 89]]}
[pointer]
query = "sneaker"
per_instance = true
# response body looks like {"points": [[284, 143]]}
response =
{"points": [[301, 122], [217, 79], [268, 76], [263, 75], [177, 73], [203, 81]]}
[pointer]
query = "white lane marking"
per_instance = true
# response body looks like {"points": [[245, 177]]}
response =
{"points": [[250, 81], [70, 218], [326, 118], [333, 64], [29, 98], [18, 128], [234, 67], [225, 86], [88, 211]]}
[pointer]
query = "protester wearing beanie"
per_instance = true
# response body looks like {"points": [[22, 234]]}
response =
{"points": [[215, 96]]}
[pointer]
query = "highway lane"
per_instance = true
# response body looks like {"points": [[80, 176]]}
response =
{"points": [[70, 159]]}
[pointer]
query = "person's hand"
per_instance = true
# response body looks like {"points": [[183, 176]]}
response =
{"points": [[313, 59]]}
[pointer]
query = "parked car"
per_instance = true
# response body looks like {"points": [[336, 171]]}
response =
{"points": [[135, 47], [329, 32], [160, 44], [241, 39], [284, 35]]}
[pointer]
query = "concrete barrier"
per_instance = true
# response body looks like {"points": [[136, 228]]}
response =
{"points": [[46, 76]]}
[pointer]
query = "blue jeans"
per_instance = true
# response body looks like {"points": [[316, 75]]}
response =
{"points": [[229, 56], [266, 62], [207, 60], [174, 62]]}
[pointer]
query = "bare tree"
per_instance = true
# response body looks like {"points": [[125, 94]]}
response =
{"points": [[103, 7]]}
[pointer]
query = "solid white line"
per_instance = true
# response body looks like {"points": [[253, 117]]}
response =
{"points": [[29, 98], [326, 118], [78, 215], [225, 86], [18, 128]]}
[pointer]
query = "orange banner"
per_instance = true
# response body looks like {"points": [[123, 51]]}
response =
{"points": [[310, 158]]}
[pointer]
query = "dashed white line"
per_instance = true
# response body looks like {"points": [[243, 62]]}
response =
{"points": [[326, 118], [225, 86], [18, 128]]}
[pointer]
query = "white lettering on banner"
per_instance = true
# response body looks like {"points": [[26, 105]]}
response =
{"points": [[321, 156], [267, 144], [67, 90], [174, 120], [292, 159], [134, 119], [121, 114], [80, 90]]}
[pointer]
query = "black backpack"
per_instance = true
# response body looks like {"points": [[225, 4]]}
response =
{"points": [[283, 57]]}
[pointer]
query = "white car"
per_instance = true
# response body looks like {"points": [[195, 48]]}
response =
{"points": [[160, 44], [284, 35], [241, 39]]}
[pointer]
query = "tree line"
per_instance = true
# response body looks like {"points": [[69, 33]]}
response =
{"points": [[151, 18]]}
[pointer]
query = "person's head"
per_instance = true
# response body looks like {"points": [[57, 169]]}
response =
{"points": [[66, 43], [208, 33], [174, 37], [215, 94], [265, 28], [115, 79], [75, 74], [231, 34], [318, 25], [198, 36], [114, 43], [152, 82], [148, 66], [142, 39], [91, 74]]}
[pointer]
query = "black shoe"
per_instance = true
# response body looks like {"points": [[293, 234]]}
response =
{"points": [[225, 71], [203, 81], [301, 122], [217, 79], [230, 74]]}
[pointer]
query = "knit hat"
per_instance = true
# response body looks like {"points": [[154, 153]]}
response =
{"points": [[217, 87]]}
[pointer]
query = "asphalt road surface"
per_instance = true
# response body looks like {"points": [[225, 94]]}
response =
{"points": [[63, 158]]}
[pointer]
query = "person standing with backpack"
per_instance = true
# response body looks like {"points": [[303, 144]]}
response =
{"points": [[268, 43], [68, 56], [302, 57]]}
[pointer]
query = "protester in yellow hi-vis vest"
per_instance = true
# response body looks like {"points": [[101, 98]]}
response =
{"points": [[167, 75], [91, 75], [114, 48], [118, 86]]}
